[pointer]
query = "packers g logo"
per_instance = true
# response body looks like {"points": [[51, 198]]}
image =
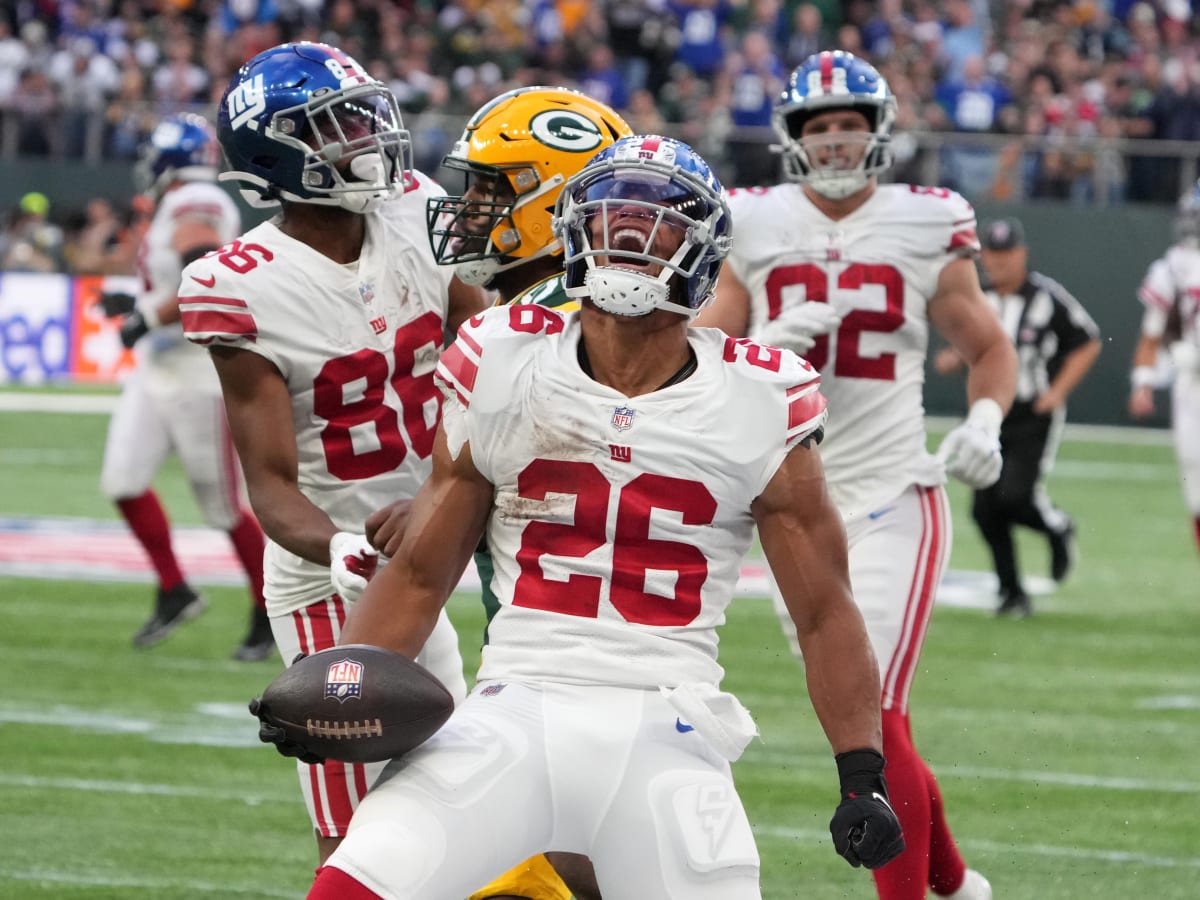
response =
{"points": [[565, 130]]}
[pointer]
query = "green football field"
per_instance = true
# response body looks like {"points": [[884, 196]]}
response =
{"points": [[1065, 744]]}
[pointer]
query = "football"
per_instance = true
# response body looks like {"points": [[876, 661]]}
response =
{"points": [[357, 703]]}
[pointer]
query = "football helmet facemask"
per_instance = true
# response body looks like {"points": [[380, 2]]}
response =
{"points": [[835, 80], [180, 148], [515, 154], [304, 122], [619, 219]]}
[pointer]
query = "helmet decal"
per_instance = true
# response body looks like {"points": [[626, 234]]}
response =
{"points": [[566, 130], [246, 103]]}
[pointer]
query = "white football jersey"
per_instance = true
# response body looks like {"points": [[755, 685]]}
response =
{"points": [[1174, 278], [878, 267], [619, 525], [357, 345], [175, 364]]}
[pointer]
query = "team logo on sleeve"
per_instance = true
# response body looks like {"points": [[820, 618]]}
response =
{"points": [[622, 418], [343, 681]]}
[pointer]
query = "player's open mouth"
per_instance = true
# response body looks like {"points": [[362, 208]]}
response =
{"points": [[630, 240]]}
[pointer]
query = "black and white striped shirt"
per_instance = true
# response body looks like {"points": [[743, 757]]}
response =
{"points": [[1045, 323]]}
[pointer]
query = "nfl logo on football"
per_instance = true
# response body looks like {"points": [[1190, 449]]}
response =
{"points": [[622, 418], [343, 681]]}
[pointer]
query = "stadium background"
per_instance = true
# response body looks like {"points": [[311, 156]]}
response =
{"points": [[1063, 743]]}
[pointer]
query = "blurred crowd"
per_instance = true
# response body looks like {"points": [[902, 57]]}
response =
{"points": [[1032, 88]]}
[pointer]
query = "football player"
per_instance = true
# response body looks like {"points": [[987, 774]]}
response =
{"points": [[619, 524], [852, 274], [325, 324], [1170, 293], [514, 156], [172, 401]]}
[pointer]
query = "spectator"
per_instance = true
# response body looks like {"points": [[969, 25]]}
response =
{"points": [[702, 27], [972, 104], [601, 79], [35, 106], [32, 243], [85, 80], [178, 82], [756, 79], [638, 33], [808, 36]]}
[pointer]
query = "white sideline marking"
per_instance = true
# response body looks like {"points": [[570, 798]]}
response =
{"points": [[67, 402], [1006, 849], [56, 402], [162, 887], [137, 788]]}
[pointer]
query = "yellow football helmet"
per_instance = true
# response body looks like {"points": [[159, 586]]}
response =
{"points": [[515, 154]]}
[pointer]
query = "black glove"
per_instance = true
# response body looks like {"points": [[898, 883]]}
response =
{"points": [[116, 303], [273, 734], [865, 829], [133, 329]]}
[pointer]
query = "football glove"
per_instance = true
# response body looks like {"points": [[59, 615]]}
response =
{"points": [[273, 734], [971, 452], [864, 827], [133, 329], [352, 561], [116, 303], [798, 325]]}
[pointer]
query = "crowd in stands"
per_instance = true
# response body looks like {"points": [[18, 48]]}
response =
{"points": [[87, 79]]}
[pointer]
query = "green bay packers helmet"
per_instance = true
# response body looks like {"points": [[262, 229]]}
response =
{"points": [[515, 154]]}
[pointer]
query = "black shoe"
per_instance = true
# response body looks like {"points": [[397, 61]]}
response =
{"points": [[1016, 604], [171, 609], [1062, 551], [259, 643]]}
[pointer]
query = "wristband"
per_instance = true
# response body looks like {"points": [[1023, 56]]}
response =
{"points": [[1143, 376], [986, 414], [151, 317], [860, 772]]}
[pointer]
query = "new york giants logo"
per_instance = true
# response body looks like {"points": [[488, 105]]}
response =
{"points": [[343, 681], [621, 454], [379, 326], [246, 102]]}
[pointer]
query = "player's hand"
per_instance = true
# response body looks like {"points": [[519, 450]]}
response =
{"points": [[273, 734], [864, 827], [386, 527], [352, 561], [797, 327], [133, 329], [116, 303], [971, 452], [1141, 402]]}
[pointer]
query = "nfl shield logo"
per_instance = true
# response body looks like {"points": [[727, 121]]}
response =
{"points": [[343, 681], [367, 292], [622, 418]]}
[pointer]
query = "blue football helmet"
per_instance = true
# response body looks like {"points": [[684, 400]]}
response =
{"points": [[619, 217], [304, 122], [826, 81], [180, 148], [1187, 216]]}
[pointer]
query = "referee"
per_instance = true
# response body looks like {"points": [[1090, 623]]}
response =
{"points": [[1057, 342]]}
